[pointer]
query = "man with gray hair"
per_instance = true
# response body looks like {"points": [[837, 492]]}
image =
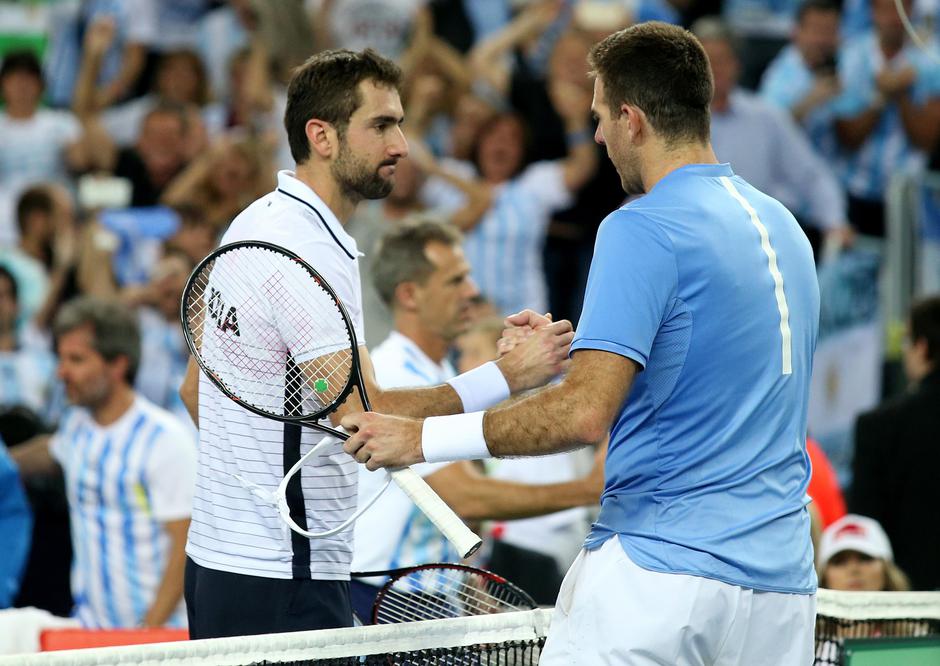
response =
{"points": [[129, 470]]}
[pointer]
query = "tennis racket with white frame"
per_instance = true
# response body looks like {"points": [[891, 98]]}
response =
{"points": [[271, 334]]}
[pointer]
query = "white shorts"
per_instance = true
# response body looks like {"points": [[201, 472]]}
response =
{"points": [[611, 611]]}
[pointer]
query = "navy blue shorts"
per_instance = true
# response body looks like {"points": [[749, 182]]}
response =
{"points": [[220, 603]]}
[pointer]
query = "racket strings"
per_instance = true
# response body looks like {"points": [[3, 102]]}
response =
{"points": [[440, 592], [253, 313]]}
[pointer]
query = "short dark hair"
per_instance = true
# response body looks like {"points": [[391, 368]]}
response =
{"points": [[21, 61], [400, 257], [14, 287], [663, 70], [925, 325], [808, 6], [113, 324], [36, 199], [326, 87]]}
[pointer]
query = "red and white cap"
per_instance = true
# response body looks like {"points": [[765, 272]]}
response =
{"points": [[854, 532]]}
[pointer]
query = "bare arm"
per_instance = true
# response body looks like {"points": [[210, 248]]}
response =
{"points": [[853, 132], [573, 104], [479, 195], [575, 412], [33, 457], [531, 364], [132, 64], [189, 390], [171, 585], [921, 123], [475, 496], [487, 59]]}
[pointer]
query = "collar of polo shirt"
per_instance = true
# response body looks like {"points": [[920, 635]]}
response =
{"points": [[288, 185]]}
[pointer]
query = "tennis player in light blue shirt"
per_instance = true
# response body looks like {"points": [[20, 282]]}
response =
{"points": [[694, 351], [707, 468]]}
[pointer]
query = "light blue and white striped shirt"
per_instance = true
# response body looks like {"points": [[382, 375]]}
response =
{"points": [[887, 150], [786, 82], [123, 482], [505, 248], [163, 359]]}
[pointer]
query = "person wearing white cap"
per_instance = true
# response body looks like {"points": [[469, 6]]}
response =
{"points": [[855, 554]]}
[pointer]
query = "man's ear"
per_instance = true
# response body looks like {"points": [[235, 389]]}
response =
{"points": [[637, 125], [405, 295], [322, 137]]}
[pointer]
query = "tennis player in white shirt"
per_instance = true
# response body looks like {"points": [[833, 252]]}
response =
{"points": [[246, 572]]}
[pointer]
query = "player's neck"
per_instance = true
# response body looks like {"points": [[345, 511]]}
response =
{"points": [[114, 407], [661, 161], [433, 345], [318, 178]]}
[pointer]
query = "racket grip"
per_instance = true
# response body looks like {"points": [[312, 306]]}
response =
{"points": [[437, 511]]}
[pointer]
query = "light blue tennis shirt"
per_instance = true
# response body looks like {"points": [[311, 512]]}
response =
{"points": [[710, 286]]}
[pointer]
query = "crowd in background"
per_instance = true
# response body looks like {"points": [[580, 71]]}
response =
{"points": [[133, 131]]}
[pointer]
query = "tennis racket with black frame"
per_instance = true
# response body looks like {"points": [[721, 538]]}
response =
{"points": [[271, 334], [443, 590]]}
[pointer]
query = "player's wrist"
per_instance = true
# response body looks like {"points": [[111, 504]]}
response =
{"points": [[455, 437], [481, 388]]}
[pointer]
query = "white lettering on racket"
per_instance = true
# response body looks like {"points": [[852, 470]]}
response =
{"points": [[225, 318], [775, 274]]}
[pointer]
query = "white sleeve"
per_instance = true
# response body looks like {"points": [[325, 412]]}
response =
{"points": [[68, 128], [171, 474], [545, 183], [141, 21]]}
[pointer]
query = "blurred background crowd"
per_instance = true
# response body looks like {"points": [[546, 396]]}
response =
{"points": [[133, 131]]}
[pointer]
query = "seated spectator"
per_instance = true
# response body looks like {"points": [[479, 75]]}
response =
{"points": [[888, 115], [764, 145], [39, 145], [802, 79], [16, 522], [855, 554], [897, 455]]}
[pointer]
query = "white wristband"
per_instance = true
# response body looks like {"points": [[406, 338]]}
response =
{"points": [[457, 437], [481, 388]]}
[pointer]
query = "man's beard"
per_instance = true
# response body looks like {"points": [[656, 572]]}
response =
{"points": [[356, 180], [630, 179]]}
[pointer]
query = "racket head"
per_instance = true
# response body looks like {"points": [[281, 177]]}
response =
{"points": [[270, 332], [442, 590]]}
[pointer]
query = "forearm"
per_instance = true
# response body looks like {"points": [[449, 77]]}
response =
{"points": [[418, 402], [581, 162], [83, 96], [33, 458], [189, 391], [134, 57], [547, 421], [481, 498], [853, 132], [170, 591], [921, 123]]}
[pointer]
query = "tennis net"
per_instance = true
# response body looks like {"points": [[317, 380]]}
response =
{"points": [[505, 639], [849, 615]]}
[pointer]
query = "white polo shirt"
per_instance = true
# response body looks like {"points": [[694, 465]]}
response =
{"points": [[235, 527], [393, 532]]}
